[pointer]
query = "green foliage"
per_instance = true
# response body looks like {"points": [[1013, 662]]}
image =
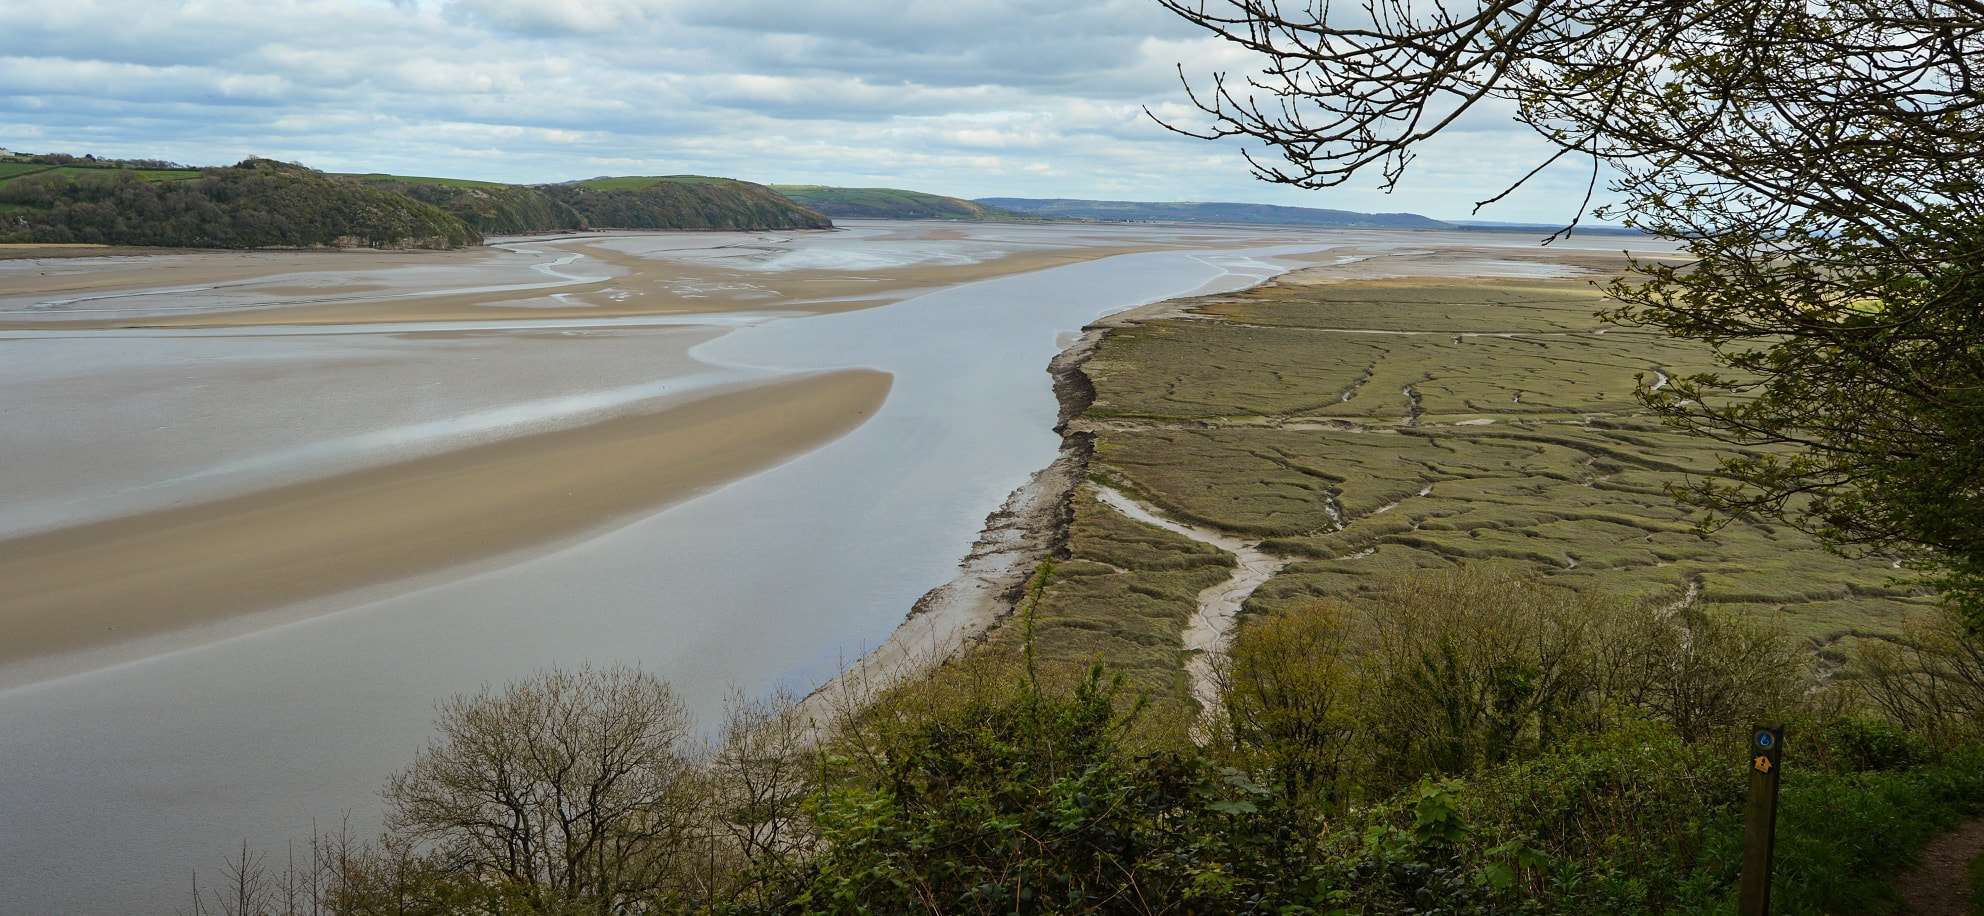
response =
{"points": [[682, 202], [1930, 681], [1859, 744], [489, 208], [57, 198], [1453, 672], [1975, 871], [888, 203], [1842, 837], [1868, 365], [255, 204], [1023, 801]]}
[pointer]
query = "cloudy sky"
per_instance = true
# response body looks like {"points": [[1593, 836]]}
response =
{"points": [[972, 98]]}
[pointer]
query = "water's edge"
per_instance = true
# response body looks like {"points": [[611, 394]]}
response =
{"points": [[1030, 527]]}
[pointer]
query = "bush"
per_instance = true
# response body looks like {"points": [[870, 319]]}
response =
{"points": [[1931, 681], [568, 790], [1553, 782], [1447, 673], [1843, 837], [1976, 872], [1022, 801], [1856, 744]]}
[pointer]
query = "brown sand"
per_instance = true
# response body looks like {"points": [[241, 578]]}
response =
{"points": [[97, 584], [646, 286]]}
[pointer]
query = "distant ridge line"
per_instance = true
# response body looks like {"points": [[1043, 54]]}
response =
{"points": [[1211, 212]]}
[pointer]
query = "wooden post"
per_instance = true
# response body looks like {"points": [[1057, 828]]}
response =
{"points": [[1760, 819]]}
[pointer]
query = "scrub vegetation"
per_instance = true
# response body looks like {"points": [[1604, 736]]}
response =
{"points": [[1483, 745]]}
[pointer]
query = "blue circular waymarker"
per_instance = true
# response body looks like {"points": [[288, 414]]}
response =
{"points": [[1765, 739]]}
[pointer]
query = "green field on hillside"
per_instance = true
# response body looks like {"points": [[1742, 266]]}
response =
{"points": [[17, 169], [414, 179], [637, 182], [13, 170]]}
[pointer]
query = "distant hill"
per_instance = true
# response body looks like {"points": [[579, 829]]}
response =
{"points": [[682, 202], [888, 203], [1476, 225], [630, 202], [261, 203], [1263, 214], [257, 203]]}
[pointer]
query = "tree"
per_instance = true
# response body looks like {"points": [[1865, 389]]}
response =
{"points": [[567, 792], [1818, 162]]}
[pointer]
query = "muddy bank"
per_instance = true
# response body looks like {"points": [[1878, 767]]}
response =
{"points": [[1027, 529]]}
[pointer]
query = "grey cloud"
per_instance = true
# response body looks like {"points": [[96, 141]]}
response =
{"points": [[970, 97]]}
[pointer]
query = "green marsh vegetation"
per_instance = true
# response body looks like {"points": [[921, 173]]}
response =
{"points": [[1809, 159], [1281, 413]]}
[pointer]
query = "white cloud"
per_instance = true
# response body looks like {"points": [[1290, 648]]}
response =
{"points": [[968, 97]]}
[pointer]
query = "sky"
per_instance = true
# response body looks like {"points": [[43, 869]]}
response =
{"points": [[972, 98]]}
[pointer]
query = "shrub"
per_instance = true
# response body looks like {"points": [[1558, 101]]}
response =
{"points": [[1292, 699], [1931, 681], [570, 789], [1020, 800], [1448, 673], [1842, 837]]}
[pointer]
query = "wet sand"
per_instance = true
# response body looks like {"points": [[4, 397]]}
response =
{"points": [[318, 288], [88, 586]]}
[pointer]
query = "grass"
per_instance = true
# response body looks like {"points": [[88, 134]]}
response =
{"points": [[1519, 447], [1123, 594], [17, 169], [12, 170], [411, 179], [1842, 838], [1502, 429], [1976, 872]]}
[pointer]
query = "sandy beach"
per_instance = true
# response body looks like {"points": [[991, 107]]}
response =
{"points": [[83, 587]]}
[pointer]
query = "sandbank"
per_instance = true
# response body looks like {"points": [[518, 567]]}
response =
{"points": [[94, 585]]}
